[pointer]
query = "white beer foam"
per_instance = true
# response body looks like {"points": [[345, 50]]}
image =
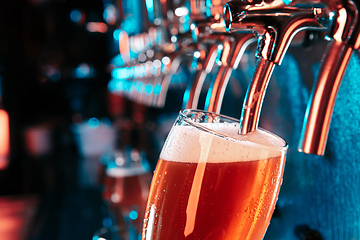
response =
{"points": [[125, 171], [183, 145]]}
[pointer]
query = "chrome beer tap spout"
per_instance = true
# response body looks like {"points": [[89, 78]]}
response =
{"points": [[204, 60], [184, 54], [208, 30], [344, 39], [211, 25], [233, 52], [209, 46], [275, 24]]}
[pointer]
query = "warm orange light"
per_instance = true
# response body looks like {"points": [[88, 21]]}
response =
{"points": [[97, 27], [226, 53], [4, 138], [124, 46]]}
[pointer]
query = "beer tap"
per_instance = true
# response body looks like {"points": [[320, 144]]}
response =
{"points": [[233, 48], [344, 39], [207, 55], [275, 24], [233, 52], [203, 50], [208, 29]]}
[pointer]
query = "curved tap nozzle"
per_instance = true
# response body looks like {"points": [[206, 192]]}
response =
{"points": [[281, 25], [230, 62], [161, 87], [275, 25], [344, 39], [192, 92]]}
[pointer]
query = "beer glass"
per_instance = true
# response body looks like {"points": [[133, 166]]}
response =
{"points": [[212, 183], [125, 188]]}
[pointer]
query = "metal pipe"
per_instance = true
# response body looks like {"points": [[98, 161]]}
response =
{"points": [[176, 59], [217, 88], [254, 97], [192, 93], [345, 38], [275, 25]]}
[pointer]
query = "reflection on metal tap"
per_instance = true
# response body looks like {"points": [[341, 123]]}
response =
{"points": [[275, 25], [344, 38], [235, 48], [205, 60], [207, 26]]}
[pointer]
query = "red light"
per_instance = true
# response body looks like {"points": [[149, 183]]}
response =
{"points": [[4, 139], [97, 27]]}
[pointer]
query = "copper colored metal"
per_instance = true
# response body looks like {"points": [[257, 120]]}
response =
{"points": [[176, 59], [275, 25], [255, 95], [217, 88], [191, 96], [345, 37], [322, 100]]}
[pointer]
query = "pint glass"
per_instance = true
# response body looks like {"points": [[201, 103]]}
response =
{"points": [[126, 189], [212, 183]]}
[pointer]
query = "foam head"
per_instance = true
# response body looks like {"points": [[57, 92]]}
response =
{"points": [[189, 144]]}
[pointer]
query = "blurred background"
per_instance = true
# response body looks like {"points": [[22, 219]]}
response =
{"points": [[79, 89]]}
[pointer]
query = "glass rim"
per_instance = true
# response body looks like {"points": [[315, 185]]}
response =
{"points": [[183, 113]]}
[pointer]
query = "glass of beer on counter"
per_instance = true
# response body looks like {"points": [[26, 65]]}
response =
{"points": [[125, 188], [212, 183]]}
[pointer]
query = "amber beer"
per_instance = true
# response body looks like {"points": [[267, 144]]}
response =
{"points": [[214, 187], [126, 189], [127, 186]]}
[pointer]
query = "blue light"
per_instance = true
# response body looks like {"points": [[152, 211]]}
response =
{"points": [[105, 122], [148, 89], [75, 15], [93, 122], [107, 222], [95, 238], [185, 24], [186, 96], [157, 89], [133, 215], [208, 96], [287, 2], [121, 73], [116, 34], [111, 164], [83, 71], [150, 10], [139, 88], [129, 25]]}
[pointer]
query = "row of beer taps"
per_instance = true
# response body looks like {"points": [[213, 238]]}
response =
{"points": [[219, 33]]}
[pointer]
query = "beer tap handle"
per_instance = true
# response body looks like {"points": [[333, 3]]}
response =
{"points": [[232, 59], [345, 38]]}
